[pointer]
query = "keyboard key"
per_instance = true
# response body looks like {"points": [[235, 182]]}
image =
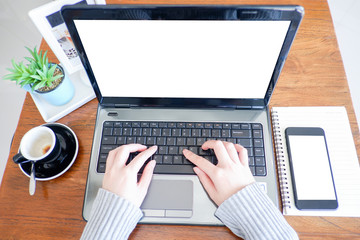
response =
{"points": [[257, 133], [256, 126], [200, 141], [252, 169], [146, 132], [199, 125], [162, 150], [245, 142], [108, 140], [130, 140], [241, 133], [135, 124], [158, 158], [260, 171], [180, 125], [107, 148], [154, 125], [178, 159], [173, 150], [176, 132], [259, 152], [141, 140], [150, 141], [107, 131], [206, 133], [226, 126], [196, 132], [136, 132], [127, 124], [170, 141], [167, 159], [250, 151], [160, 141], [108, 124], [156, 132], [181, 149], [174, 169], [103, 158], [215, 133], [117, 131], [180, 141], [101, 167], [194, 150], [251, 161], [259, 161], [186, 132], [225, 133], [258, 143], [166, 132], [121, 140], [191, 141], [126, 132]]}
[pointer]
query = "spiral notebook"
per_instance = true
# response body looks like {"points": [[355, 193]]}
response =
{"points": [[342, 152]]}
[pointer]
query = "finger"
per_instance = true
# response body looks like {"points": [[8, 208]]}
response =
{"points": [[123, 152], [219, 149], [205, 181], [140, 159], [233, 154], [146, 177], [202, 163], [243, 155], [110, 159]]}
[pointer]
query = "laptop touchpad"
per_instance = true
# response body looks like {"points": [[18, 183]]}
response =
{"points": [[169, 198]]}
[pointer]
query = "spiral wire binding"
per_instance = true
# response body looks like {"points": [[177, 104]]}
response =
{"points": [[279, 149]]}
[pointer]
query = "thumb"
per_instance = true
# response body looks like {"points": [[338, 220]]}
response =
{"points": [[206, 182], [146, 177]]}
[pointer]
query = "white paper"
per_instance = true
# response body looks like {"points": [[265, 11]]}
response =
{"points": [[342, 152]]}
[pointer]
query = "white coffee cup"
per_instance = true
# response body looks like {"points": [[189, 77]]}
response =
{"points": [[38, 144]]}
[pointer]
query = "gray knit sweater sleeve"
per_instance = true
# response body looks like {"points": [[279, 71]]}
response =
{"points": [[112, 217], [250, 214]]}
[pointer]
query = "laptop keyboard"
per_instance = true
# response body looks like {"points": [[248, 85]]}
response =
{"points": [[172, 137]]}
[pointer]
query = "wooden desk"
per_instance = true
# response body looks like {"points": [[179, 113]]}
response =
{"points": [[312, 76]]}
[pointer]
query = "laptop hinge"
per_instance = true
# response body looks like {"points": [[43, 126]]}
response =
{"points": [[257, 107], [117, 105], [242, 107], [249, 107], [122, 105]]}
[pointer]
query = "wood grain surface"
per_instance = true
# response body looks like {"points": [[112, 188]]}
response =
{"points": [[313, 75]]}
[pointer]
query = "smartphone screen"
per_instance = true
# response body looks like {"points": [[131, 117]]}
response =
{"points": [[310, 167]]}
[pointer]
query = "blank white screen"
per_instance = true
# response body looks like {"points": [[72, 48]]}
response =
{"points": [[311, 168], [182, 59]]}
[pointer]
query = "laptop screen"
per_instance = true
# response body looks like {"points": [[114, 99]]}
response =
{"points": [[211, 56], [182, 59]]}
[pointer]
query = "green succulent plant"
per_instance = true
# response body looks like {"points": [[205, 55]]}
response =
{"points": [[37, 73]]}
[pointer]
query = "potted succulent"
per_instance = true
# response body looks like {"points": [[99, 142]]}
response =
{"points": [[43, 78]]}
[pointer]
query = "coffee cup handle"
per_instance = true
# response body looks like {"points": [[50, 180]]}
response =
{"points": [[19, 158]]}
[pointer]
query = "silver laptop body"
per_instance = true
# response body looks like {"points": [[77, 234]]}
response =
{"points": [[202, 64]]}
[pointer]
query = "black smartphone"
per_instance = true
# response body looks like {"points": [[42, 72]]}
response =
{"points": [[310, 167]]}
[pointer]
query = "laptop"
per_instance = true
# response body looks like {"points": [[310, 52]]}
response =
{"points": [[177, 76]]}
